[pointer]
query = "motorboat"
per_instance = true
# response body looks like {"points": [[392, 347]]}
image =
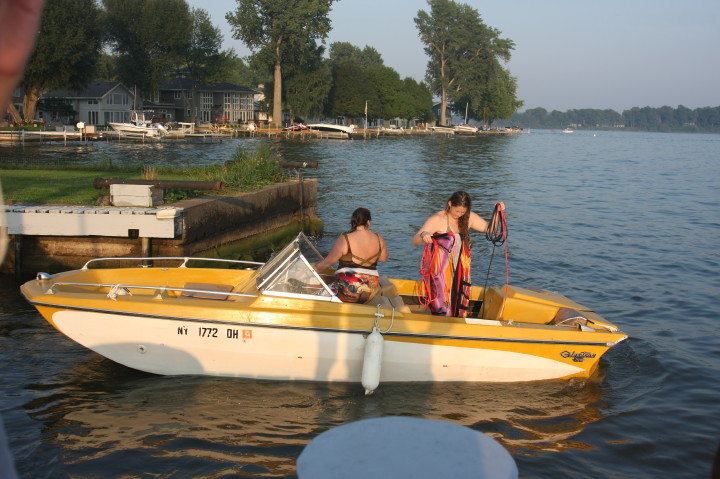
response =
{"points": [[332, 130], [568, 130], [139, 126], [281, 320], [296, 127], [465, 129], [447, 130]]}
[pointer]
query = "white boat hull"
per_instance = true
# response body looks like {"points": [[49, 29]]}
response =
{"points": [[127, 128], [172, 347]]}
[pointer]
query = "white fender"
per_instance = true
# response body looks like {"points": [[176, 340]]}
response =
{"points": [[373, 361]]}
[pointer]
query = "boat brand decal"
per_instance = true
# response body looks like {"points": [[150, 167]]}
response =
{"points": [[577, 357], [247, 333]]}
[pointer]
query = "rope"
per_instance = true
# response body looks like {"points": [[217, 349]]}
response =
{"points": [[379, 315], [426, 276], [497, 234], [497, 229]]}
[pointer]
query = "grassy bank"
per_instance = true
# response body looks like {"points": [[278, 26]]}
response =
{"points": [[246, 171]]}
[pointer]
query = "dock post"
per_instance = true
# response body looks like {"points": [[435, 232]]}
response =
{"points": [[302, 201], [18, 258], [146, 250]]}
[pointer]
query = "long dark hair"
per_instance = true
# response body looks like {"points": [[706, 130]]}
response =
{"points": [[360, 217], [460, 198]]}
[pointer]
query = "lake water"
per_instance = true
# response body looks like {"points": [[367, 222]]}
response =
{"points": [[626, 223]]}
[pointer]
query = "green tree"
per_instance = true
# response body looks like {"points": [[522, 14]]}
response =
{"points": [[307, 81], [107, 69], [360, 76], [203, 58], [352, 82], [350, 90], [499, 98], [150, 38], [464, 54], [344, 52], [416, 101], [274, 28], [386, 96], [236, 71], [66, 51]]}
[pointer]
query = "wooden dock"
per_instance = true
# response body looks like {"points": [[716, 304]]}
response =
{"points": [[220, 134]]}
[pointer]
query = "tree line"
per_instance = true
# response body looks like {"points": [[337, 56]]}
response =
{"points": [[143, 43], [663, 119]]}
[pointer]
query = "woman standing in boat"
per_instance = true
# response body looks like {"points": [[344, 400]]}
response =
{"points": [[357, 254], [445, 264]]}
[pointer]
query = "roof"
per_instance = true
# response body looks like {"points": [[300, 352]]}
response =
{"points": [[93, 90], [186, 84]]}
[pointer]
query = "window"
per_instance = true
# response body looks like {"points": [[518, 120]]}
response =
{"points": [[116, 116], [92, 102], [93, 117], [117, 99], [177, 94], [207, 100], [246, 103]]}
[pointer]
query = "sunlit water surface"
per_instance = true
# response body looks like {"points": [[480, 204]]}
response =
{"points": [[626, 223]]}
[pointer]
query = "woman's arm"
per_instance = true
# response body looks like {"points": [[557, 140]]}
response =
{"points": [[384, 254], [424, 235], [335, 253], [477, 223]]}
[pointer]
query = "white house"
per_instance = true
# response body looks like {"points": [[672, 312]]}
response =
{"points": [[98, 104]]}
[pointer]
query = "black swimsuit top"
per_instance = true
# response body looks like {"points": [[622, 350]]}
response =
{"points": [[349, 260]]}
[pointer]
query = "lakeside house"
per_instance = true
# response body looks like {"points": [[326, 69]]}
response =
{"points": [[210, 103], [103, 102], [99, 103]]}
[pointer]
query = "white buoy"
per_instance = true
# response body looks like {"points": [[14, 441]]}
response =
{"points": [[372, 361], [405, 447]]}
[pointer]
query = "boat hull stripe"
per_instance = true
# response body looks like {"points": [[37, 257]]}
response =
{"points": [[336, 330]]}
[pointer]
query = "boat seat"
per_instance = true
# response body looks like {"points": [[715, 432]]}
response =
{"points": [[387, 295], [206, 290]]}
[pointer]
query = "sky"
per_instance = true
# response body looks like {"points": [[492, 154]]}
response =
{"points": [[569, 54]]}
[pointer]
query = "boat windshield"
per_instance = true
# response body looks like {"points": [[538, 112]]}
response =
{"points": [[290, 272]]}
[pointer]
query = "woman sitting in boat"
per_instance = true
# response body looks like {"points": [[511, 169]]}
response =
{"points": [[445, 264], [357, 254]]}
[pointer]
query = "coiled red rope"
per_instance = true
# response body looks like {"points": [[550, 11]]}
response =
{"points": [[497, 234]]}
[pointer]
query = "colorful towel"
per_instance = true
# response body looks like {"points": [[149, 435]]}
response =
{"points": [[445, 272]]}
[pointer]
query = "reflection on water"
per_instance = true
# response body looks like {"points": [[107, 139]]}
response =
{"points": [[102, 411]]}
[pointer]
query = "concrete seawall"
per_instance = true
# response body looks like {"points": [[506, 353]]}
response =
{"points": [[201, 225]]}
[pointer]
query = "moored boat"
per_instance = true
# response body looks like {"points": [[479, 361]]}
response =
{"points": [[281, 320], [465, 129], [139, 126], [333, 131], [448, 130]]}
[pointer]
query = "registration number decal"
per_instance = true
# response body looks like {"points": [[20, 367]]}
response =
{"points": [[230, 333]]}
